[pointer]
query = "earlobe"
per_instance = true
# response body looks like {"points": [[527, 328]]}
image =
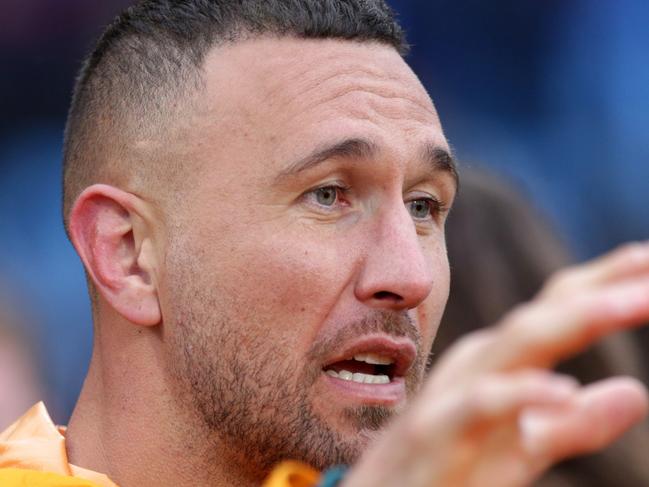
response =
{"points": [[111, 237]]}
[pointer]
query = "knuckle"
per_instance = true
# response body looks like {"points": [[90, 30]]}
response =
{"points": [[633, 253], [517, 318], [480, 395], [472, 345], [559, 282], [457, 364], [630, 247], [491, 397], [476, 340], [524, 327]]}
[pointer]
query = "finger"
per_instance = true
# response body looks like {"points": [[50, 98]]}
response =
{"points": [[492, 399], [499, 396], [596, 417], [625, 261], [546, 333], [541, 334], [441, 437], [600, 414]]}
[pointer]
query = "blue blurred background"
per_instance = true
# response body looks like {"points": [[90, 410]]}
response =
{"points": [[554, 95]]}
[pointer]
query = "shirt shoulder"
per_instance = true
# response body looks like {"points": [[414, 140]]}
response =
{"points": [[15, 477], [32, 451]]}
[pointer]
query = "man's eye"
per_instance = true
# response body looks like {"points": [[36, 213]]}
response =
{"points": [[326, 196], [423, 208]]}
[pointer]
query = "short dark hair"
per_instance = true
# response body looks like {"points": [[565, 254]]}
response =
{"points": [[153, 53]]}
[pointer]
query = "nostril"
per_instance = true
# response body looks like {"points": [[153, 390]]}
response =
{"points": [[387, 296]]}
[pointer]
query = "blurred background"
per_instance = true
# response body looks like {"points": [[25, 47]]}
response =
{"points": [[552, 96]]}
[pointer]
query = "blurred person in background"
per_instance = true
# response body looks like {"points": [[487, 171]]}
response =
{"points": [[502, 249], [20, 381]]}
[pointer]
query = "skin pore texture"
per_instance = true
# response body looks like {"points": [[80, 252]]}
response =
{"points": [[310, 228]]}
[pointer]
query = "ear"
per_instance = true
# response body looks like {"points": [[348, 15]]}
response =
{"points": [[112, 233]]}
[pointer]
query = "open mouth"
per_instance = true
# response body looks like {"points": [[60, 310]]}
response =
{"points": [[364, 368], [373, 360]]}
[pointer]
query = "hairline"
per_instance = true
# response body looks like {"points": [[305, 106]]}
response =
{"points": [[177, 90]]}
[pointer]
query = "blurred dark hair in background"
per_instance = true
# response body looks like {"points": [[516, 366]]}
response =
{"points": [[501, 251]]}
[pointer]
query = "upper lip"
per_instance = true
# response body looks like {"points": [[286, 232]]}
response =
{"points": [[400, 349]]}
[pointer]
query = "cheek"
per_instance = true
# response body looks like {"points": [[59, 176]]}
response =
{"points": [[286, 284]]}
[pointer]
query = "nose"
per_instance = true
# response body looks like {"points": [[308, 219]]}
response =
{"points": [[396, 273]]}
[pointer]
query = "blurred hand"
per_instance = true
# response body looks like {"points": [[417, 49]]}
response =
{"points": [[492, 413]]}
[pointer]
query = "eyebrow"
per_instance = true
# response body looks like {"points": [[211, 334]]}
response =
{"points": [[435, 156], [346, 149], [441, 159]]}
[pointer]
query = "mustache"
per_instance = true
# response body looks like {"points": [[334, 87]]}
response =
{"points": [[396, 324]]}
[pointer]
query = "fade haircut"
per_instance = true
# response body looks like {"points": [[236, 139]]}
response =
{"points": [[148, 63]]}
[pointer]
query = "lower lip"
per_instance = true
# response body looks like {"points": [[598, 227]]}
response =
{"points": [[389, 394]]}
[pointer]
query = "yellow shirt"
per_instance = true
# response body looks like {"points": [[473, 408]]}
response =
{"points": [[33, 454]]}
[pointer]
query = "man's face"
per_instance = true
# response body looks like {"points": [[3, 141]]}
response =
{"points": [[306, 266]]}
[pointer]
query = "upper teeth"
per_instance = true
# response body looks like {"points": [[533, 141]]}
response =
{"points": [[358, 377], [374, 359]]}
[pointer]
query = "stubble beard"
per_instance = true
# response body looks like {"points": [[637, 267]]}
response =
{"points": [[260, 417], [252, 401]]}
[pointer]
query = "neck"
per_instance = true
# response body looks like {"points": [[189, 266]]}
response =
{"points": [[128, 426]]}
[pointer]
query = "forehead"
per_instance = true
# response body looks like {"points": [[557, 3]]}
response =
{"points": [[273, 97]]}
